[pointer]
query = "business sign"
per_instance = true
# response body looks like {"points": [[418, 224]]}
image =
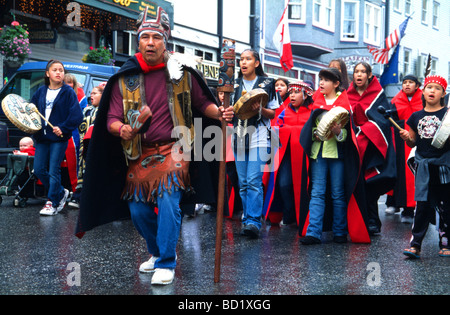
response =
{"points": [[42, 36], [351, 61], [139, 5], [210, 70]]}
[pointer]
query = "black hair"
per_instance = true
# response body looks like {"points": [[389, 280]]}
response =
{"points": [[412, 78], [259, 70], [47, 68], [287, 85], [342, 65], [333, 75], [307, 99], [368, 68]]}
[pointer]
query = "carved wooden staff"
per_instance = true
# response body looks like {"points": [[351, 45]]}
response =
{"points": [[226, 85]]}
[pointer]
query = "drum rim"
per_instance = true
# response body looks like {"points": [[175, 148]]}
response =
{"points": [[326, 135], [255, 93], [13, 119], [442, 135]]}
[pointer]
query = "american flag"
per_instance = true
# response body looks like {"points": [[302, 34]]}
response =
{"points": [[381, 55]]}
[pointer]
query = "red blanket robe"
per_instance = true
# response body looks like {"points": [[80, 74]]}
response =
{"points": [[354, 190], [404, 189], [288, 126], [375, 136]]}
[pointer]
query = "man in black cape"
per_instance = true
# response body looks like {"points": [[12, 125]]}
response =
{"points": [[145, 118]]}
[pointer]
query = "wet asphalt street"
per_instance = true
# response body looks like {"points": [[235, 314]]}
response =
{"points": [[40, 255]]}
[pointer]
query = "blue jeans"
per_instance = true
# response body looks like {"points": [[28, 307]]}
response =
{"points": [[249, 166], [161, 231], [320, 168], [47, 167]]}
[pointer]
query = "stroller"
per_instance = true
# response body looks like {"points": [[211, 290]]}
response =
{"points": [[20, 180]]}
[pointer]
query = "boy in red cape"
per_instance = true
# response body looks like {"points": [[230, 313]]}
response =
{"points": [[355, 217], [406, 102], [284, 191]]}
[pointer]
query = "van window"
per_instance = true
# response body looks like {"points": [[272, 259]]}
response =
{"points": [[81, 78], [24, 84]]}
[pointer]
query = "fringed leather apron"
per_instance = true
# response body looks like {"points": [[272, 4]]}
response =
{"points": [[154, 171]]}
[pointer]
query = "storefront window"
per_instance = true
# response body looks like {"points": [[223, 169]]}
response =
{"points": [[75, 40]]}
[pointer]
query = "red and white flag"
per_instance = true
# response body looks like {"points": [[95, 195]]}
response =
{"points": [[282, 42], [381, 55]]}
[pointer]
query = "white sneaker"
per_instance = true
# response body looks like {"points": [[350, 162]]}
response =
{"points": [[48, 209], [198, 206], [407, 219], [149, 265], [62, 203], [391, 210], [207, 208], [163, 276], [74, 204]]}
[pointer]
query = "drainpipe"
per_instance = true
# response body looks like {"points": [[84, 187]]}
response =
{"points": [[253, 24], [219, 27], [386, 22]]}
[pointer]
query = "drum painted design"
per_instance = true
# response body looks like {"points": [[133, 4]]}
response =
{"points": [[337, 115], [243, 107], [22, 113]]}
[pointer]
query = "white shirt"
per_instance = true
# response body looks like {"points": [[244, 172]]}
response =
{"points": [[50, 100], [260, 137]]}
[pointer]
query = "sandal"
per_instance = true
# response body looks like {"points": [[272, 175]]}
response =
{"points": [[445, 252], [412, 252]]}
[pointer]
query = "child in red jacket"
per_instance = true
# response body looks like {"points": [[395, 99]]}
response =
{"points": [[26, 147]]}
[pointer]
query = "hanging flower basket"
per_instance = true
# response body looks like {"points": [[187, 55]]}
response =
{"points": [[101, 56], [14, 44], [13, 62]]}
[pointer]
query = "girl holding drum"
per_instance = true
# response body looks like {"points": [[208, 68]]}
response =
{"points": [[332, 154], [59, 104], [252, 141]]}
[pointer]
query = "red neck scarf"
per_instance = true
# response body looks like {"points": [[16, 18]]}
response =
{"points": [[146, 68]]}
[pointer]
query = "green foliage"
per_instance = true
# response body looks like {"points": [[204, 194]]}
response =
{"points": [[101, 56]]}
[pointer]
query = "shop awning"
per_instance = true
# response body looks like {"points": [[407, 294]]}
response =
{"points": [[309, 50], [130, 8]]}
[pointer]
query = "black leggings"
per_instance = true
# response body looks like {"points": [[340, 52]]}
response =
{"points": [[438, 200]]}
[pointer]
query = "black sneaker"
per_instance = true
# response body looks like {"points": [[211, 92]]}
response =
{"points": [[340, 239], [310, 240], [251, 231], [374, 229]]}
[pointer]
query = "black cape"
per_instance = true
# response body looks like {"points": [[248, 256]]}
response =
{"points": [[357, 217], [106, 165]]}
